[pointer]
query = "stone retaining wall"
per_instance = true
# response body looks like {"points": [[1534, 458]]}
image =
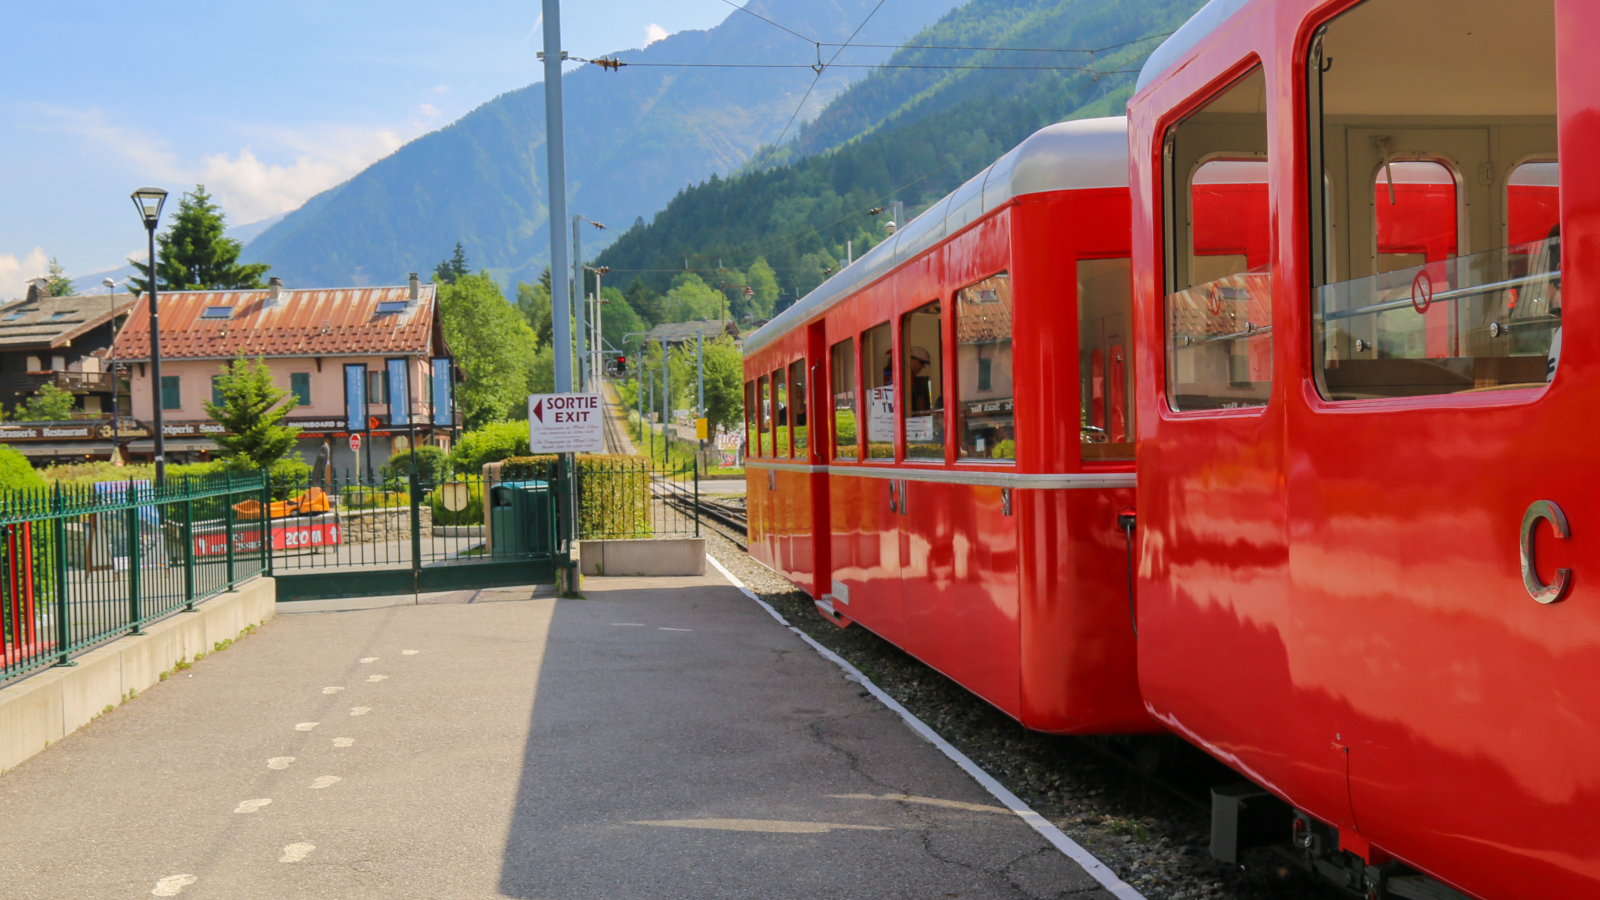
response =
{"points": [[371, 526]]}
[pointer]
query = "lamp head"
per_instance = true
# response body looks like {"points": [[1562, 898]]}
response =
{"points": [[148, 201]]}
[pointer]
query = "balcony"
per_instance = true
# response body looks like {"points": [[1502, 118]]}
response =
{"points": [[72, 382]]}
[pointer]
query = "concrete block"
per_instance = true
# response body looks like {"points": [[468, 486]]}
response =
{"points": [[652, 556], [30, 717], [53, 703]]}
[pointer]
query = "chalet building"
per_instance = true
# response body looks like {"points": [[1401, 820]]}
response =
{"points": [[380, 346], [59, 341]]}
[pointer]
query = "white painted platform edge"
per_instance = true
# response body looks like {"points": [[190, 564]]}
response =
{"points": [[1071, 848]]}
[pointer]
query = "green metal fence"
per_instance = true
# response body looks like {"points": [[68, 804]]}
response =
{"points": [[633, 497], [84, 564], [371, 536]]}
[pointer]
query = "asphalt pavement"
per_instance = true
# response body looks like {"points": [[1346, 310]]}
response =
{"points": [[663, 738]]}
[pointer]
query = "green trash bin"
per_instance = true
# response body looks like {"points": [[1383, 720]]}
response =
{"points": [[518, 514]]}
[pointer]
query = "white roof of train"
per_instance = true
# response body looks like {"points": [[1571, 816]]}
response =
{"points": [[1066, 156], [1208, 19]]}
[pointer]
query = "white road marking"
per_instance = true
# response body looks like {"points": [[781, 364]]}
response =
{"points": [[1068, 847], [172, 885], [370, 659], [344, 742], [674, 629], [306, 726], [296, 852], [360, 710], [410, 652], [376, 677], [628, 624], [250, 806], [762, 825], [325, 781], [926, 801], [279, 762], [332, 690]]}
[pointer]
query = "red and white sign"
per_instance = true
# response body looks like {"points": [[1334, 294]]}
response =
{"points": [[286, 535], [355, 442], [566, 423]]}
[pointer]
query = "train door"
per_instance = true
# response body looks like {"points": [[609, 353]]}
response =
{"points": [[819, 542], [867, 500], [924, 506], [1445, 437], [794, 494]]}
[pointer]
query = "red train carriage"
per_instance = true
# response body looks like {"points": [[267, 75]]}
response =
{"points": [[941, 436], [1365, 459]]}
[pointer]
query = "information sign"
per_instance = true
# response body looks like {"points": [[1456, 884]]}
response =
{"points": [[880, 414], [566, 423]]}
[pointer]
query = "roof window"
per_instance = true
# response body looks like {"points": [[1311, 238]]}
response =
{"points": [[386, 307], [58, 316], [217, 312], [14, 316]]}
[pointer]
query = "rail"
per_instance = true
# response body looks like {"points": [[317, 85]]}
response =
{"points": [[81, 565]]}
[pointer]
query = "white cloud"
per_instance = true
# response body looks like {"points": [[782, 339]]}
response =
{"points": [[653, 33], [247, 187], [14, 273]]}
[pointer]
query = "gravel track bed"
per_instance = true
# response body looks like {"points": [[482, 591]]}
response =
{"points": [[1155, 838]]}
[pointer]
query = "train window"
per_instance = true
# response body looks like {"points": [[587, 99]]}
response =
{"points": [[798, 425], [1105, 364], [921, 346], [763, 418], [780, 415], [1414, 137], [843, 361], [983, 371], [1219, 288], [749, 414], [877, 383]]}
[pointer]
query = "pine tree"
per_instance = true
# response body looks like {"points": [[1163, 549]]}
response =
{"points": [[252, 412], [193, 254], [60, 284], [453, 268]]}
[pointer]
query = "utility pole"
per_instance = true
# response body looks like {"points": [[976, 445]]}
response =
{"points": [[585, 369], [556, 184], [700, 389], [666, 407]]}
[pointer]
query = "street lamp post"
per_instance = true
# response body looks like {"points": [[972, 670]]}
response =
{"points": [[149, 202]]}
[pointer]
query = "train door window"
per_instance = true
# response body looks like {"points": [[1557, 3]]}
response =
{"points": [[921, 346], [1105, 362], [877, 383], [987, 419], [780, 415], [749, 414], [763, 418], [1422, 310], [1219, 288], [798, 425], [842, 360]]}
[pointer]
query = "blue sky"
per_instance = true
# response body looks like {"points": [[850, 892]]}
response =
{"points": [[266, 103]]}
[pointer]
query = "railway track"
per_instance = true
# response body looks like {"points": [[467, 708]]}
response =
{"points": [[727, 519]]}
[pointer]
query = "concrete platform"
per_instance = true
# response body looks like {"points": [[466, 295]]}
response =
{"points": [[663, 738]]}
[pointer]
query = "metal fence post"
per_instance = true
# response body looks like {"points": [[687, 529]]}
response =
{"points": [[135, 612], [227, 526], [266, 521], [416, 526], [188, 544], [697, 498], [63, 629]]}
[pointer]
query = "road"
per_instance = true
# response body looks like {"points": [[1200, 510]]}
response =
{"points": [[664, 738]]}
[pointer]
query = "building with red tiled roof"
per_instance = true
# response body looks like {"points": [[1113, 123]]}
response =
{"points": [[309, 337]]}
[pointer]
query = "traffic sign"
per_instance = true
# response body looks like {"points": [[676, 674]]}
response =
{"points": [[355, 442], [566, 423]]}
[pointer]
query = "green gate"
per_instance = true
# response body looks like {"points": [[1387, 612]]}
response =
{"points": [[349, 537]]}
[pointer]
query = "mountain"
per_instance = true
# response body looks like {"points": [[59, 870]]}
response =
{"points": [[634, 137], [904, 133]]}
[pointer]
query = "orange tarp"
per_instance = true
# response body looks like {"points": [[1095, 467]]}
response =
{"points": [[312, 501]]}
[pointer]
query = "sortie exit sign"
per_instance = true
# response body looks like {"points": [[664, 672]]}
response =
{"points": [[566, 423]]}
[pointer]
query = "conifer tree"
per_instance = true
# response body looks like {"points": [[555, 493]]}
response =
{"points": [[193, 254], [252, 411]]}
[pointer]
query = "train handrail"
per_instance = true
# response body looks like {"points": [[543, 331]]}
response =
{"points": [[1452, 294]]}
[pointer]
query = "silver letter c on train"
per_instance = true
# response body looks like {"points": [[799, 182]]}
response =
{"points": [[1544, 593]]}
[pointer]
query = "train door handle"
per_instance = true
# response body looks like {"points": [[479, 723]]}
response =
{"points": [[772, 479], [1005, 501], [894, 505], [903, 501]]}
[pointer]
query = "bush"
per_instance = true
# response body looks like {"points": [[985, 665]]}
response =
{"points": [[615, 499], [491, 443], [16, 473], [433, 466], [367, 498]]}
